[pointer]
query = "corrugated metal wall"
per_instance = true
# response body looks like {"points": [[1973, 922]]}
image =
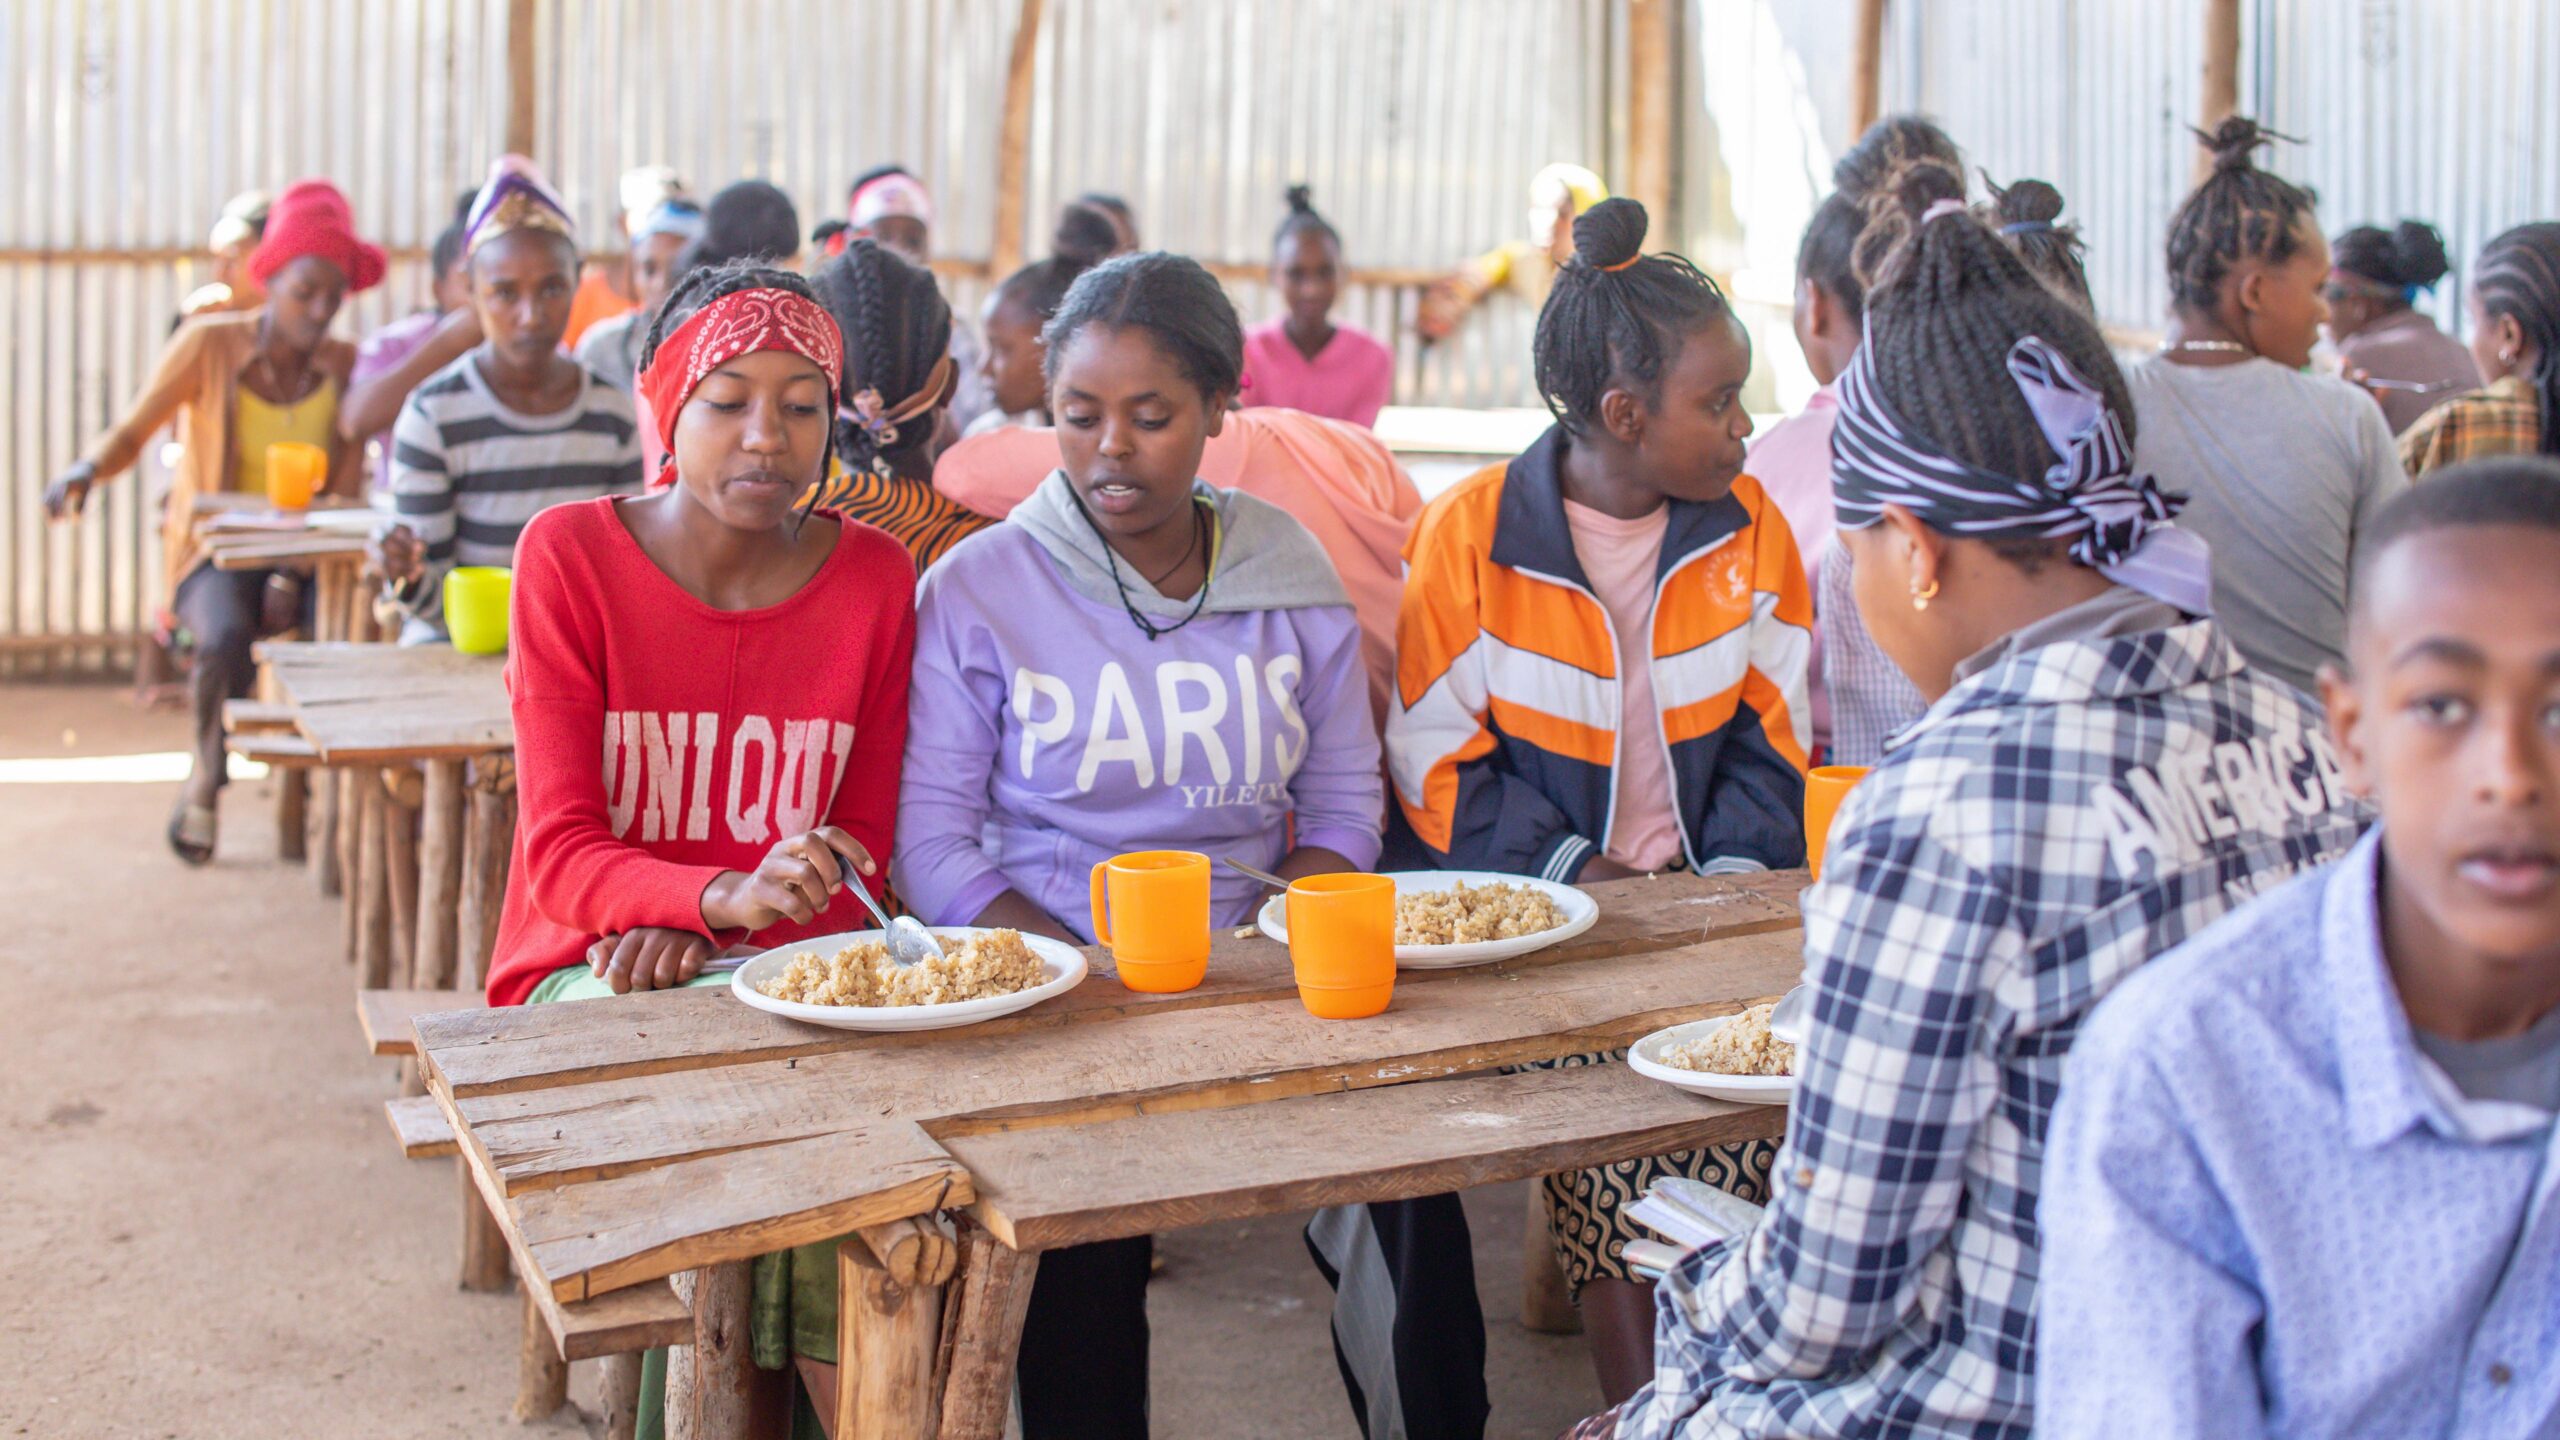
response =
{"points": [[1418, 122], [2443, 110]]}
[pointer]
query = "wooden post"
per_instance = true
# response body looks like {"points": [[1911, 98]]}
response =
{"points": [[324, 847], [520, 77], [489, 834], [439, 877], [1653, 107], [372, 882], [711, 1383], [542, 1377], [981, 1335], [1866, 68], [1546, 1302], [485, 1262], [621, 1385], [1013, 140], [400, 874], [2221, 97], [293, 813], [886, 1336]]}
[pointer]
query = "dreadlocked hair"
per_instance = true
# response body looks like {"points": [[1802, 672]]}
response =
{"points": [[1303, 219], [2518, 278], [1890, 144], [2027, 212], [1946, 300], [1180, 305], [896, 327], [1827, 256], [1617, 316], [1085, 237], [2239, 213]]}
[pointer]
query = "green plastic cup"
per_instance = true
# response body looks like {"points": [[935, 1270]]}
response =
{"points": [[475, 608]]}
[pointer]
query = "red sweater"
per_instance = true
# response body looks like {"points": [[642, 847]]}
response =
{"points": [[720, 733]]}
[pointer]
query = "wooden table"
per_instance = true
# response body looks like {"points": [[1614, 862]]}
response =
{"points": [[335, 559], [642, 1137], [377, 709]]}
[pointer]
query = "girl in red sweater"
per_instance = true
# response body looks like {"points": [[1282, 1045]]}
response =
{"points": [[741, 787]]}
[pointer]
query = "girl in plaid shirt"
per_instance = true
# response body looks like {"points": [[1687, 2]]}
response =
{"points": [[2098, 776]]}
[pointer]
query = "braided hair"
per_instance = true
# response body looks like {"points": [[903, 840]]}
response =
{"points": [[1180, 305], [2027, 211], [2407, 257], [1085, 237], [896, 328], [1303, 219], [2239, 213], [1616, 316], [1946, 299], [2518, 278]]}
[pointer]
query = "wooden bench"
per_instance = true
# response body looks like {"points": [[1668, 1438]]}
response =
{"points": [[279, 751], [418, 1123], [256, 717], [387, 1016]]}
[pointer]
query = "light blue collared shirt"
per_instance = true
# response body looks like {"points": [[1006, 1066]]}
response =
{"points": [[2265, 1213]]}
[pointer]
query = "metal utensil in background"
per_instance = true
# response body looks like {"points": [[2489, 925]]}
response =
{"points": [[1265, 876], [1786, 1022]]}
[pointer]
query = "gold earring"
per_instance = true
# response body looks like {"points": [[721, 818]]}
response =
{"points": [[1920, 598]]}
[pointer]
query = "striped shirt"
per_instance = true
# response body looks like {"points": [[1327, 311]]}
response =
{"points": [[467, 472]]}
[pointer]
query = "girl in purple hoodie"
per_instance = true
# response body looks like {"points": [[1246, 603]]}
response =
{"points": [[1139, 661]]}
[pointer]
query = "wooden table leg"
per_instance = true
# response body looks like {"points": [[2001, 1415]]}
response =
{"points": [[621, 1396], [981, 1333], [542, 1377], [293, 811], [400, 874], [439, 877], [488, 839], [1546, 1301], [329, 605], [887, 1335], [324, 849], [372, 883], [714, 1391], [486, 1265], [351, 854]]}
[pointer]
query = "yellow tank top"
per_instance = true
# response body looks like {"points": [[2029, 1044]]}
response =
{"points": [[257, 424]]}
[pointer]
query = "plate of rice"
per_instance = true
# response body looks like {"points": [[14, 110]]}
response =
{"points": [[1730, 1057], [848, 982], [1447, 919]]}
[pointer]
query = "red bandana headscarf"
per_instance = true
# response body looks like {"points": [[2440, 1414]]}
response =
{"points": [[734, 325]]}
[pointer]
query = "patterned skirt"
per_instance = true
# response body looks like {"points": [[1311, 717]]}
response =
{"points": [[1585, 1207]]}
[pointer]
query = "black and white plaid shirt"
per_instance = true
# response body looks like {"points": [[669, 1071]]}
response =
{"points": [[2051, 824]]}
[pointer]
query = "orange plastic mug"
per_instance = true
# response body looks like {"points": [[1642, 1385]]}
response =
{"points": [[294, 471], [1152, 908], [1825, 787], [1342, 942]]}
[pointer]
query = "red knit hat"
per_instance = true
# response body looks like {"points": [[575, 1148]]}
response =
{"points": [[312, 218]]}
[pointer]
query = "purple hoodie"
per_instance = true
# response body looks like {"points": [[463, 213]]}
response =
{"points": [[1046, 733]]}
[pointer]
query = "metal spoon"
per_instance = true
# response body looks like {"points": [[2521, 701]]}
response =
{"points": [[909, 942], [1786, 1022], [1265, 876]]}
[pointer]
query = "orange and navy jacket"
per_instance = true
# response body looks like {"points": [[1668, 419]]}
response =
{"points": [[1503, 741]]}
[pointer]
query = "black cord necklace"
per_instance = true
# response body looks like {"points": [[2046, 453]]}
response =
{"points": [[1199, 527]]}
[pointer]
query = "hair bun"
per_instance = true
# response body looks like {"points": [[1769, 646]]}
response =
{"points": [[2025, 202], [1085, 236], [1609, 234], [2235, 143], [2417, 253], [1302, 200], [1914, 188]]}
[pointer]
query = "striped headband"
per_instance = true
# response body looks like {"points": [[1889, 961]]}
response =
{"points": [[2091, 496]]}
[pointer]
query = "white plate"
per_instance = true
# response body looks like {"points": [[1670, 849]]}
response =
{"points": [[1065, 965], [1580, 911], [1645, 1057]]}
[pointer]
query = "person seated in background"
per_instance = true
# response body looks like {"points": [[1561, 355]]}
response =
{"points": [[233, 239], [1601, 665], [2515, 337], [750, 222], [1137, 659], [609, 287], [898, 375], [889, 204], [1017, 391], [2042, 832], [1527, 267], [1123, 218], [2301, 1171], [2283, 469], [1301, 358], [659, 235], [2375, 276], [513, 426], [238, 383], [384, 373]]}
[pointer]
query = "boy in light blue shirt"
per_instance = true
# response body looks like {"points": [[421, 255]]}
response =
{"points": [[2302, 1176]]}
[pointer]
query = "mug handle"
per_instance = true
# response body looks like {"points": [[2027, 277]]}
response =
{"points": [[1101, 904]]}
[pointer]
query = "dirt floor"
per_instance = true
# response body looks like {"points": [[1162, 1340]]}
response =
{"points": [[209, 1233]]}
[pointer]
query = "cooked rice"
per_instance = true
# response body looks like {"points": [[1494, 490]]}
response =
{"points": [[1740, 1046], [972, 967], [1464, 913]]}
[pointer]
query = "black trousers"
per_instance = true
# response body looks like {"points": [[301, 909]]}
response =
{"points": [[1408, 1332], [222, 610]]}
